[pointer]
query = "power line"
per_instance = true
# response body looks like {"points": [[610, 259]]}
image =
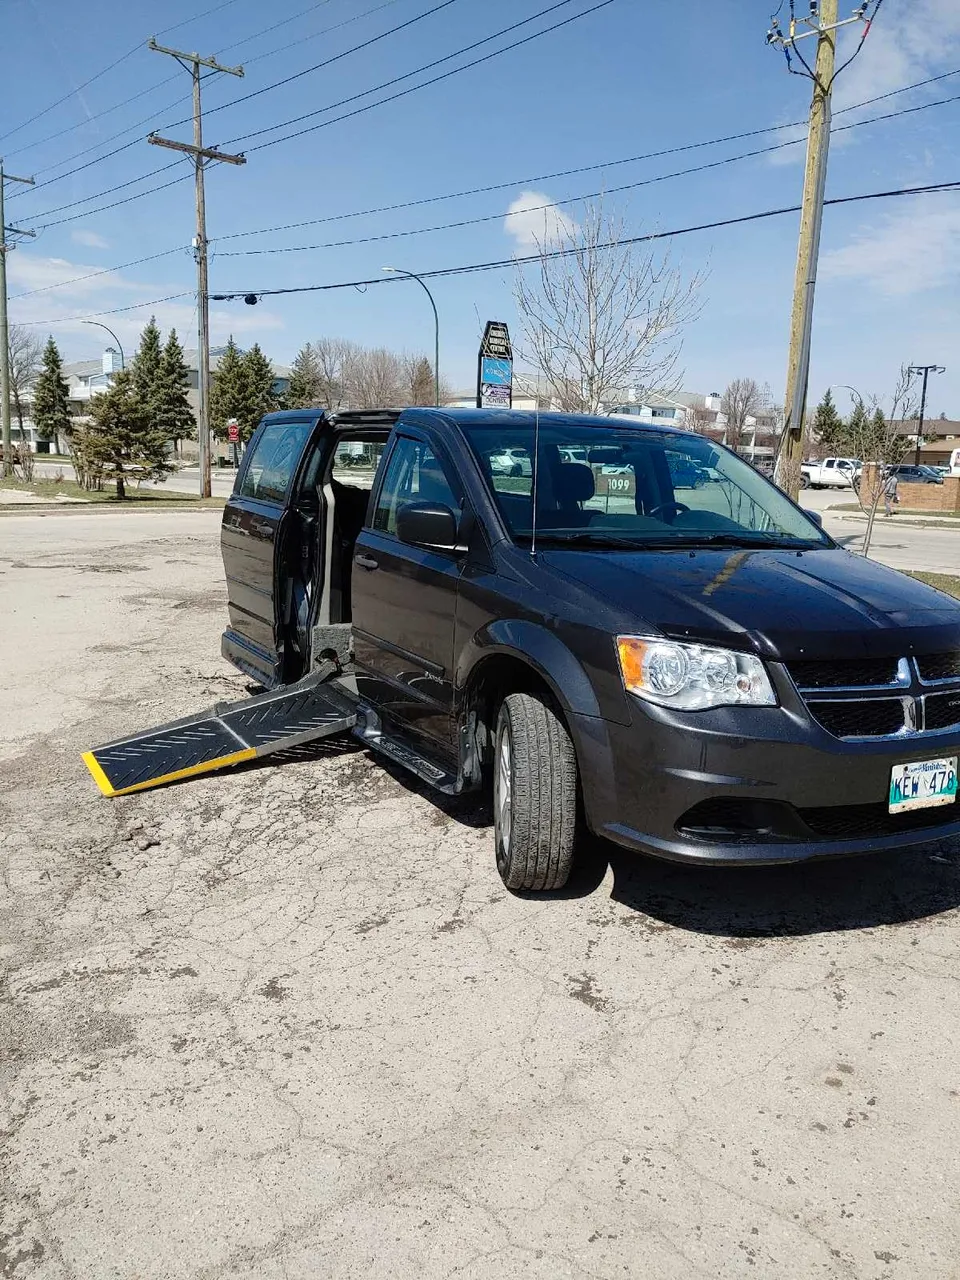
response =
{"points": [[51, 137], [104, 271], [502, 263], [108, 191], [457, 53], [169, 80], [66, 97], [521, 181], [114, 311], [184, 177], [270, 53], [455, 71], [116, 63], [366, 44], [480, 190], [591, 195]]}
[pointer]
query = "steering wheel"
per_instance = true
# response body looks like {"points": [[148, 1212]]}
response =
{"points": [[668, 511]]}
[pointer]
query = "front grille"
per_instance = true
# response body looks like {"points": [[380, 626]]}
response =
{"points": [[939, 666], [733, 821], [855, 821], [942, 710], [867, 718], [849, 673]]}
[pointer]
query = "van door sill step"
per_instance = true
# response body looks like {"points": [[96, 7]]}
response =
{"points": [[370, 731], [225, 735]]}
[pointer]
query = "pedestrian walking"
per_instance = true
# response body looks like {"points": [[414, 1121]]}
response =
{"points": [[890, 495]]}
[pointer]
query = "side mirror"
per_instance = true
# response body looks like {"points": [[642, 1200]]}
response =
{"points": [[815, 516], [427, 524]]}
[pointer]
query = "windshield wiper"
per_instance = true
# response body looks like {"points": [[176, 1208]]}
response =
{"points": [[746, 540], [587, 538]]}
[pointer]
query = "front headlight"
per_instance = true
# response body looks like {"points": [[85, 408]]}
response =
{"points": [[692, 677]]}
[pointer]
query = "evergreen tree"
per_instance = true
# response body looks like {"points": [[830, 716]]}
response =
{"points": [[306, 380], [829, 428], [422, 389], [123, 441], [170, 405], [51, 409], [260, 397], [145, 367], [228, 391]]}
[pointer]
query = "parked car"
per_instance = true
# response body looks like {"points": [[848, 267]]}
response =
{"points": [[831, 473], [706, 687], [685, 473], [511, 462], [910, 474]]}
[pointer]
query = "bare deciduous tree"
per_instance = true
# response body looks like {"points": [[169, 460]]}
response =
{"points": [[741, 400], [26, 352], [375, 378], [879, 441], [698, 418], [599, 314], [335, 358]]}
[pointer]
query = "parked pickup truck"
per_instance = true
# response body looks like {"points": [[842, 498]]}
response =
{"points": [[703, 676], [830, 473]]}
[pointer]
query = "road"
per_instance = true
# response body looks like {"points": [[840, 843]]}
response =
{"points": [[286, 1023], [185, 481], [898, 544]]}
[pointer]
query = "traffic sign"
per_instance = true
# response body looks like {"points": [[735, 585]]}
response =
{"points": [[233, 430]]}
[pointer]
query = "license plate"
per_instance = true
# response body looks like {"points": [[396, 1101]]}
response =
{"points": [[922, 784]]}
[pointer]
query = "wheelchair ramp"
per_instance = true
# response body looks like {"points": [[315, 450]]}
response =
{"points": [[227, 734]]}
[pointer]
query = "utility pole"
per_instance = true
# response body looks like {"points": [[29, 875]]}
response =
{"points": [[192, 62], [5, 248], [822, 24], [925, 370]]}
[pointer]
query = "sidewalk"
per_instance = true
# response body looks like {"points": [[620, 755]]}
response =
{"points": [[940, 519]]}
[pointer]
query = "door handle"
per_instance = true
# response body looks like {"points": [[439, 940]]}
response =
{"points": [[366, 562]]}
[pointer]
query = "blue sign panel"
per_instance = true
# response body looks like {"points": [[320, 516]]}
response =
{"points": [[496, 373]]}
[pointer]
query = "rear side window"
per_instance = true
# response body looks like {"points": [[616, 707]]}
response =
{"points": [[275, 458], [414, 474]]}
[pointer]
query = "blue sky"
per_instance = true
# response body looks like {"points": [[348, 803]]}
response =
{"points": [[635, 76]]}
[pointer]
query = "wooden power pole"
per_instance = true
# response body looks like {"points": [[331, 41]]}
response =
{"points": [[4, 327], [192, 62], [808, 252]]}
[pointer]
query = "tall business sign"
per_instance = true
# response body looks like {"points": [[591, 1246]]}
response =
{"points": [[495, 368]]}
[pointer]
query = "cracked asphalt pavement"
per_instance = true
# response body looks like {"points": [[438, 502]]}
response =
{"points": [[285, 1023]]}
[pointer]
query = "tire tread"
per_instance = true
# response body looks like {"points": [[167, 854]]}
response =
{"points": [[544, 799]]}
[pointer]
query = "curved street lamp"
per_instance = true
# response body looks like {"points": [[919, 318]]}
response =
{"points": [[398, 271], [112, 335]]}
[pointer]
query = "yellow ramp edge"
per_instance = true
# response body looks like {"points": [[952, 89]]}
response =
{"points": [[222, 762]]}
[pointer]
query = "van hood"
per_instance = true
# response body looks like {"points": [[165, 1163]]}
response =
{"points": [[781, 604]]}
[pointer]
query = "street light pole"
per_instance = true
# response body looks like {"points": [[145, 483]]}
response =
{"points": [[436, 327], [112, 335], [925, 370]]}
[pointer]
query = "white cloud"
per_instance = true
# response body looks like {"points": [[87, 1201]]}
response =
{"points": [[89, 239], [915, 250], [910, 40], [533, 218]]}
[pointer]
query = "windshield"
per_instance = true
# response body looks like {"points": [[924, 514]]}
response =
{"points": [[624, 487]]}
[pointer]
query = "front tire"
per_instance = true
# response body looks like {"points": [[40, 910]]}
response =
{"points": [[804, 482], [534, 795]]}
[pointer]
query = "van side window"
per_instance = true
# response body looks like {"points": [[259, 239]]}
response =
{"points": [[274, 461], [413, 474]]}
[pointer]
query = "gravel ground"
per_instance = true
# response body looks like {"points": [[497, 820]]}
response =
{"points": [[286, 1023]]}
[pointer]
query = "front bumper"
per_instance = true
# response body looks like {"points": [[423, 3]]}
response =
{"points": [[750, 786]]}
